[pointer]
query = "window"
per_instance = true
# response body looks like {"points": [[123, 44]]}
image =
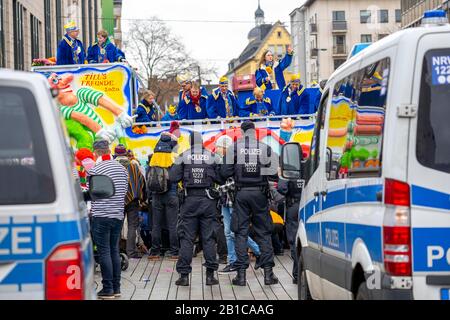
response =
{"points": [[365, 16], [338, 15], [366, 38], [433, 134], [19, 63], [279, 34], [381, 36], [24, 163], [58, 20], [48, 28], [355, 134], [2, 38], [384, 16], [339, 44], [280, 51], [338, 63], [398, 15], [34, 36], [315, 143], [272, 49]]}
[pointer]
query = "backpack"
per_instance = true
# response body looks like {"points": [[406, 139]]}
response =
{"points": [[158, 180]]}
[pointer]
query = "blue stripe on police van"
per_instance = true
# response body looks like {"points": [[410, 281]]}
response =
{"points": [[431, 249], [25, 273], [430, 198], [25, 242], [312, 232], [363, 193], [370, 235], [334, 199], [333, 236]]}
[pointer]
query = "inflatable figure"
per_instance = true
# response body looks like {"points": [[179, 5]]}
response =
{"points": [[84, 125]]}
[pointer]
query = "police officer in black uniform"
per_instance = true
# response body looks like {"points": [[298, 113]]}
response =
{"points": [[197, 169], [292, 190], [251, 163]]}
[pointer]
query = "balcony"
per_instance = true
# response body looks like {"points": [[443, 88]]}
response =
{"points": [[339, 50], [313, 27], [339, 26], [314, 52]]}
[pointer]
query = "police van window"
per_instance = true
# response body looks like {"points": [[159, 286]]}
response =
{"points": [[433, 130], [315, 144], [356, 123], [25, 170]]}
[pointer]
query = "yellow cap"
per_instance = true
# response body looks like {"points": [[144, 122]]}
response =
{"points": [[295, 78], [223, 80], [71, 26]]}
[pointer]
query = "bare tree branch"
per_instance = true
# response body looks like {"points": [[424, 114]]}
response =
{"points": [[160, 56]]}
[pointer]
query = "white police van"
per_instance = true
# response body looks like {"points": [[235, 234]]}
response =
{"points": [[375, 212], [45, 245]]}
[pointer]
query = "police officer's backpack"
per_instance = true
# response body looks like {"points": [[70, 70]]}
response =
{"points": [[158, 180]]}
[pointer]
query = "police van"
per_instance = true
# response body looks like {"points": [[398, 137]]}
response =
{"points": [[45, 245], [374, 219]]}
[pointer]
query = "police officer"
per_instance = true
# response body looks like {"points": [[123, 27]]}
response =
{"points": [[197, 169], [251, 163], [292, 190]]}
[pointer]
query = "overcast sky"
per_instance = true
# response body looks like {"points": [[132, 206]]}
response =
{"points": [[213, 43]]}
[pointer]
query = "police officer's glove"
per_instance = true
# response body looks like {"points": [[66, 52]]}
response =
{"points": [[106, 134], [125, 120]]}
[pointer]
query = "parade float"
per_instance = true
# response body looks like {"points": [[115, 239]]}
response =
{"points": [[104, 87]]}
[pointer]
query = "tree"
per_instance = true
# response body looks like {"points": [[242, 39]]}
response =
{"points": [[160, 56]]}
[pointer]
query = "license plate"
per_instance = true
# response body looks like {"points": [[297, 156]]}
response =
{"points": [[445, 294]]}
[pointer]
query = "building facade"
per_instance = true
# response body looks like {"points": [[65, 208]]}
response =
{"points": [[118, 23], [31, 29], [262, 37], [324, 31], [412, 10]]}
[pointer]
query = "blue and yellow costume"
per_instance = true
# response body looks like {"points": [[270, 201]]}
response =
{"points": [[107, 52], [223, 105], [293, 102], [182, 94], [315, 94], [267, 70], [146, 112], [70, 51], [188, 110], [171, 114], [254, 107]]}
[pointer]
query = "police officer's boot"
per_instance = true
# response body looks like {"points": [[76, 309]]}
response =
{"points": [[269, 277], [183, 280], [240, 279], [210, 280]]}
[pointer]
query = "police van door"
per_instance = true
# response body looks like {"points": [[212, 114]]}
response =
{"points": [[332, 192], [429, 168], [311, 202]]}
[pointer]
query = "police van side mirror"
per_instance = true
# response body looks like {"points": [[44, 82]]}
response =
{"points": [[100, 187], [291, 161]]}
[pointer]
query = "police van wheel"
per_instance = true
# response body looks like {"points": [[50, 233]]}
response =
{"points": [[363, 292], [302, 284]]}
